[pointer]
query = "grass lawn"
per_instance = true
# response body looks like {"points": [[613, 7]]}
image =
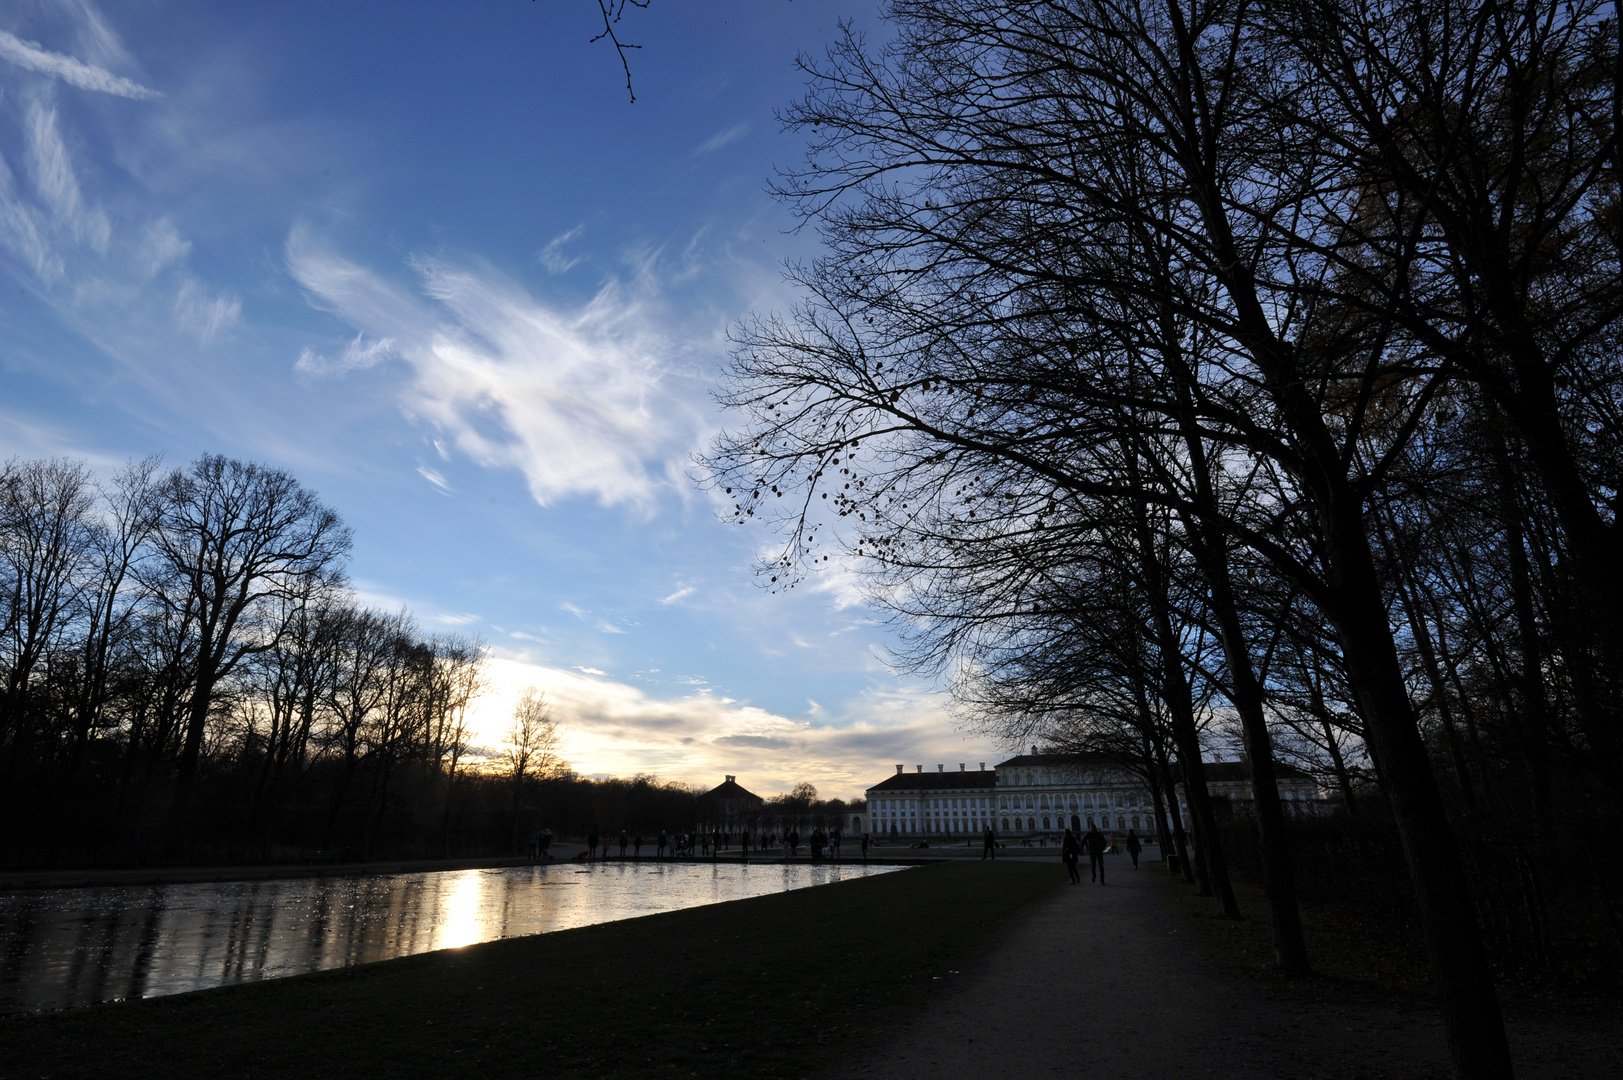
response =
{"points": [[768, 987]]}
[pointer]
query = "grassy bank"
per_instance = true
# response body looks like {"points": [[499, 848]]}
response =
{"points": [[768, 987]]}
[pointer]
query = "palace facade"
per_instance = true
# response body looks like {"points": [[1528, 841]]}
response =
{"points": [[1035, 794]]}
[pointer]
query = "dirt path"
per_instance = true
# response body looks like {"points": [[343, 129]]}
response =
{"points": [[1100, 982]]}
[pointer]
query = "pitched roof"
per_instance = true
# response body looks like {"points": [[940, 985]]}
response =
{"points": [[937, 781], [730, 789]]}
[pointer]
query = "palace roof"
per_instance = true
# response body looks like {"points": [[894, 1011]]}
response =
{"points": [[937, 781]]}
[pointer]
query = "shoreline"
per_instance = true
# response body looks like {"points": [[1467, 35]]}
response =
{"points": [[89, 878]]}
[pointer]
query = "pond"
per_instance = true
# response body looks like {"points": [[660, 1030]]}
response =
{"points": [[61, 948]]}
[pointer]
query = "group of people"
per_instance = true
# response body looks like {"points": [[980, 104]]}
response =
{"points": [[684, 844], [539, 841], [1094, 842]]}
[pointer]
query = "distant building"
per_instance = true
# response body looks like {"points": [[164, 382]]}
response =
{"points": [[728, 806], [1036, 794]]}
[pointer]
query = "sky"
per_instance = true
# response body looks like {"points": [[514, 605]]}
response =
{"points": [[428, 258]]}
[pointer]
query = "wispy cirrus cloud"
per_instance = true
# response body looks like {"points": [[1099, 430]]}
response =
{"points": [[30, 55], [203, 314], [552, 256], [357, 355], [57, 184], [581, 400], [720, 139]]}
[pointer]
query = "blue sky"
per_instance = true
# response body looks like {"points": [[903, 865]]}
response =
{"points": [[427, 257]]}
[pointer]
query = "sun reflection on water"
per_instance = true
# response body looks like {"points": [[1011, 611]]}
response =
{"points": [[460, 921]]}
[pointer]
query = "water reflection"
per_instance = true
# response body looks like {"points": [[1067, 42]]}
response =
{"points": [[65, 947]]}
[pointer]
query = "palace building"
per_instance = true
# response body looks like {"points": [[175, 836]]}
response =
{"points": [[1036, 793]]}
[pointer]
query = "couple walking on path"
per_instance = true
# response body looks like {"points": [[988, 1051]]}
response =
{"points": [[1071, 850]]}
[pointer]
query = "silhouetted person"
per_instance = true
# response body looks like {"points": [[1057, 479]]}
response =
{"points": [[659, 852], [1133, 846], [591, 845], [744, 846], [1095, 842], [865, 844], [715, 843], [622, 844], [988, 844], [1070, 852], [636, 847], [794, 842], [546, 843]]}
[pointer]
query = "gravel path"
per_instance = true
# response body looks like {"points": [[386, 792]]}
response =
{"points": [[1099, 982]]}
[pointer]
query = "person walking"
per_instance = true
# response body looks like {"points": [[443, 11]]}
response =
{"points": [[865, 843], [1133, 846], [744, 846], [636, 847], [1095, 843], [546, 843], [623, 845], [591, 845], [1070, 852], [659, 850], [988, 845]]}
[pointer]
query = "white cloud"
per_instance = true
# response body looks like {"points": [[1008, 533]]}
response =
{"points": [[552, 256], [678, 595], [720, 139], [29, 54], [613, 727], [578, 400], [57, 184], [22, 231], [433, 476], [357, 355], [204, 315], [161, 246]]}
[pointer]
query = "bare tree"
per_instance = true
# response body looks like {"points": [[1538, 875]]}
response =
{"points": [[530, 750], [232, 537]]}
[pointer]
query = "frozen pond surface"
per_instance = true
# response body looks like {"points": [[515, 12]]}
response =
{"points": [[61, 948]]}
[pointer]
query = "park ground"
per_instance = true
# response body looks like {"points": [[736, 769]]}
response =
{"points": [[952, 969]]}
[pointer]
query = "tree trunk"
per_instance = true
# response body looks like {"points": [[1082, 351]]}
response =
{"points": [[1476, 1033]]}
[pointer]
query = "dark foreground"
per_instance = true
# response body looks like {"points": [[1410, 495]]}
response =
{"points": [[771, 987], [951, 971], [1137, 978]]}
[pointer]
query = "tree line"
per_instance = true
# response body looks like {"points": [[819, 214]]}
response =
{"points": [[1185, 374], [187, 676]]}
